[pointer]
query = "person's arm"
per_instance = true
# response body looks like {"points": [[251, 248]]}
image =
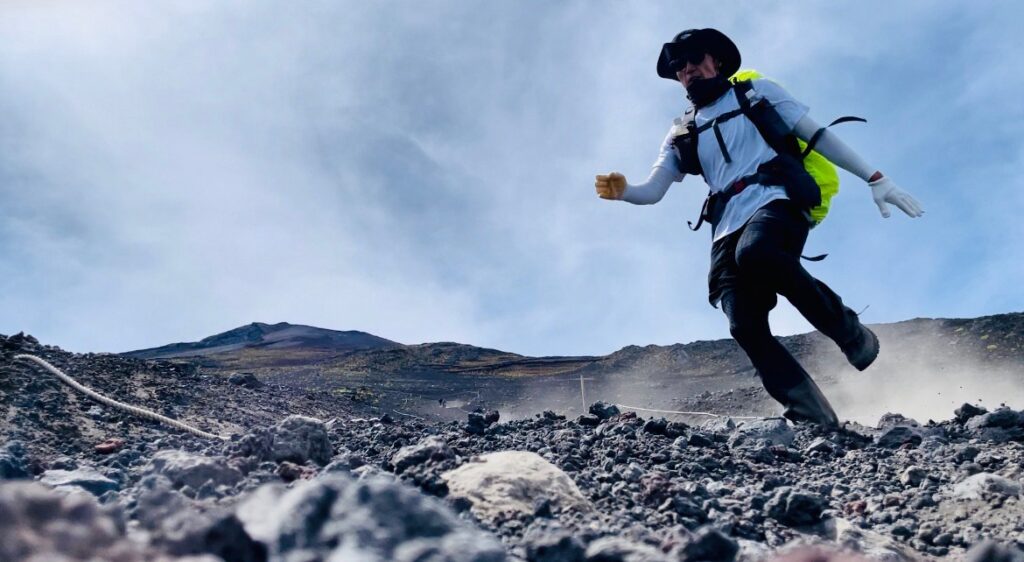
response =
{"points": [[652, 190], [664, 172], [883, 189]]}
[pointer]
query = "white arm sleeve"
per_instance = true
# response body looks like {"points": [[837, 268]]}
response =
{"points": [[653, 189], [833, 148]]}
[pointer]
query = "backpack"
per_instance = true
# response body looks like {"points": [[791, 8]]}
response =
{"points": [[814, 185]]}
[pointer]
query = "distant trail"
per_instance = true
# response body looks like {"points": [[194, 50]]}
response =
{"points": [[141, 412], [689, 413]]}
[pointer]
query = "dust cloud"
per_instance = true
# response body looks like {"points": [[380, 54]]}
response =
{"points": [[923, 379]]}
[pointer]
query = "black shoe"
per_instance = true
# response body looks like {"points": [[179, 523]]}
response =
{"points": [[806, 404], [863, 349]]}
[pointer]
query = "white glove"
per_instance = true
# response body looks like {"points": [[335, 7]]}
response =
{"points": [[885, 191]]}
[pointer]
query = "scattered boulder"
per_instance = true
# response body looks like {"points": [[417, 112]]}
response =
{"points": [[38, 523], [508, 482], [86, 478], [913, 476], [187, 469], [428, 449], [553, 545], [1003, 418], [618, 549], [712, 545], [339, 518], [968, 411], [795, 507], [299, 439], [898, 436], [604, 410], [984, 485], [773, 431], [12, 461], [248, 380]]}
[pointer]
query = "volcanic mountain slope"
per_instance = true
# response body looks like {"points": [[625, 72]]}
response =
{"points": [[269, 336], [951, 360], [604, 486]]}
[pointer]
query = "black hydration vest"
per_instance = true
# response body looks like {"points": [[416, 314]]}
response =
{"points": [[786, 169]]}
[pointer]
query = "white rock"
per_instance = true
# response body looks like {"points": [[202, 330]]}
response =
{"points": [[509, 482], [985, 483]]}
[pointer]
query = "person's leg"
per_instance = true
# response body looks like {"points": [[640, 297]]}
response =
{"points": [[768, 252], [786, 381]]}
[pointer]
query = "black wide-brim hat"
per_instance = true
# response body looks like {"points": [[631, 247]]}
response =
{"points": [[706, 40]]}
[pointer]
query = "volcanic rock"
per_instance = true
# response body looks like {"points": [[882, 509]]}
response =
{"points": [[968, 411], [617, 549], [984, 484], [509, 482], [248, 380], [897, 436], [12, 461], [88, 479], [712, 545], [774, 431], [376, 520], [38, 523], [433, 448], [299, 439], [552, 545], [604, 410], [187, 469], [795, 507]]}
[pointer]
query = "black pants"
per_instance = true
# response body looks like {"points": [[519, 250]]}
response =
{"points": [[749, 268]]}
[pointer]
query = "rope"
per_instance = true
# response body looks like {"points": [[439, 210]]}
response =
{"points": [[141, 412], [688, 413]]}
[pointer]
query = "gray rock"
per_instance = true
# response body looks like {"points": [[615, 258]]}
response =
{"points": [[992, 551], [553, 545], [38, 523], [719, 425], [617, 549], [589, 420], [12, 461], [86, 478], [795, 507], [299, 439], [248, 380], [187, 469], [432, 448], [774, 431], [897, 436], [711, 545], [604, 410], [1002, 418], [985, 484], [912, 476], [375, 520], [968, 411]]}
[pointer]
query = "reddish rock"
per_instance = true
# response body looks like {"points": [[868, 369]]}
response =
{"points": [[109, 446]]}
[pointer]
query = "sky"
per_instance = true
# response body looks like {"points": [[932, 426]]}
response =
{"points": [[423, 171]]}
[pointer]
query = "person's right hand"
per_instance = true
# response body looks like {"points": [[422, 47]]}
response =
{"points": [[611, 186]]}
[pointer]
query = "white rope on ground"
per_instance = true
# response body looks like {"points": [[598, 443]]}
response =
{"points": [[689, 413], [141, 412]]}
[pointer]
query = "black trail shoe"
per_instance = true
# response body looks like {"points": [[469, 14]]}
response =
{"points": [[863, 349]]}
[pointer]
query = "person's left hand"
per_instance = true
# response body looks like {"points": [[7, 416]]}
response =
{"points": [[885, 192]]}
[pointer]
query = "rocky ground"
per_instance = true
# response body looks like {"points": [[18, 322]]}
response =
{"points": [[313, 476]]}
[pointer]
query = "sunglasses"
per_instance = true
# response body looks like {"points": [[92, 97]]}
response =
{"points": [[678, 55]]}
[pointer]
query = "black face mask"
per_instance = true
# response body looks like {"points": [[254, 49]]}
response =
{"points": [[703, 91]]}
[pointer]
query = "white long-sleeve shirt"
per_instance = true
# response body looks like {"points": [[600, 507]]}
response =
{"points": [[748, 150]]}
